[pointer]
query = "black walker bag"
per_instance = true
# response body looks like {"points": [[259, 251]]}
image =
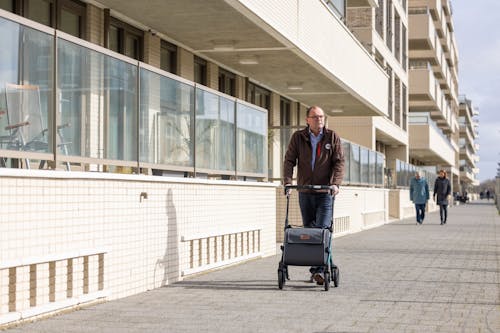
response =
{"points": [[306, 246]]}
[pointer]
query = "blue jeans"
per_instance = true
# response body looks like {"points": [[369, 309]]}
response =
{"points": [[420, 208], [316, 209], [317, 212]]}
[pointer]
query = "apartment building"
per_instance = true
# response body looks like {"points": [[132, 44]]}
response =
{"points": [[468, 157], [382, 28], [433, 81], [108, 95]]}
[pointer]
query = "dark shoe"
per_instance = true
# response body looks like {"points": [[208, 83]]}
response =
{"points": [[442, 223], [311, 279], [318, 277]]}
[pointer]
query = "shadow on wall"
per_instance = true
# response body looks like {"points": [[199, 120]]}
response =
{"points": [[170, 260]]}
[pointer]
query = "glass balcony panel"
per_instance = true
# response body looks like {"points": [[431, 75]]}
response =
{"points": [[215, 128], [166, 118], [379, 175], [251, 140], [355, 164], [26, 59], [346, 146], [365, 165], [120, 83]]}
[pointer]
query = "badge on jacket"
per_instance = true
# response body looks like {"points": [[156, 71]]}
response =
{"points": [[328, 146]]}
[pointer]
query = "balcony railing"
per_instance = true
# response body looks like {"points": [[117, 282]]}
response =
{"points": [[405, 172], [102, 111], [363, 166]]}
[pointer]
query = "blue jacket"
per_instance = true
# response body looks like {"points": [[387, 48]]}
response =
{"points": [[419, 191]]}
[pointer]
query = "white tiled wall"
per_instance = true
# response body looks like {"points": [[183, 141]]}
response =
{"points": [[57, 214]]}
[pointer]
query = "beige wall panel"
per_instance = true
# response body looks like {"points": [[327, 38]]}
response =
{"points": [[213, 75], [152, 47], [95, 25], [185, 64]]}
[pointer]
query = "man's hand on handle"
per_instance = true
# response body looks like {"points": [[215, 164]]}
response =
{"points": [[335, 190]]}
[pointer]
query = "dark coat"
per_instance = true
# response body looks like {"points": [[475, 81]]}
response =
{"points": [[329, 166], [442, 190]]}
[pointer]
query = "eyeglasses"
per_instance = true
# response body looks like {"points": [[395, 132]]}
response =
{"points": [[316, 117]]}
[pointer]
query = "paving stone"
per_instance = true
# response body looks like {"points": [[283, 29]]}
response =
{"points": [[396, 278]]}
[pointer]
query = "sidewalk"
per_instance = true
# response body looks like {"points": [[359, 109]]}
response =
{"points": [[397, 278]]}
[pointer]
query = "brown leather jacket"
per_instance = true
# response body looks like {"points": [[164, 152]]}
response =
{"points": [[329, 164]]}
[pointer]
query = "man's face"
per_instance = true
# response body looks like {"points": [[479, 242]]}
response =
{"points": [[316, 119]]}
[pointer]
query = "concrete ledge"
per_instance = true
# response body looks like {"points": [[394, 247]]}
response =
{"points": [[221, 264], [50, 307]]}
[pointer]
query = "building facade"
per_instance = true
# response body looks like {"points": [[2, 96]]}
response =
{"points": [[468, 156], [433, 106], [105, 96]]}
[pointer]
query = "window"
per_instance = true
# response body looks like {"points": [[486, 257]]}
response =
{"points": [[388, 27], [168, 57], [65, 15], [259, 96], [123, 38], [200, 70], [227, 82], [7, 5], [379, 18], [285, 112], [337, 7]]}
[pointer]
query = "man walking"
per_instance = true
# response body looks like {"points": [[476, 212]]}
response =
{"points": [[419, 194], [317, 153]]}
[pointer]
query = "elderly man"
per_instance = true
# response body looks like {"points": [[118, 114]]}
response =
{"points": [[317, 153]]}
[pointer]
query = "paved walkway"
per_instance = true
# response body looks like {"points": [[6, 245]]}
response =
{"points": [[397, 278]]}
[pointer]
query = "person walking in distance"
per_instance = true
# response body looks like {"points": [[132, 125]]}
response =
{"points": [[419, 194], [317, 153], [442, 190]]}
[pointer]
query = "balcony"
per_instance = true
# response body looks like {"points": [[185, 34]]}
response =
{"points": [[466, 133], [425, 92], [298, 41], [427, 142], [467, 155], [113, 113], [422, 38]]}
